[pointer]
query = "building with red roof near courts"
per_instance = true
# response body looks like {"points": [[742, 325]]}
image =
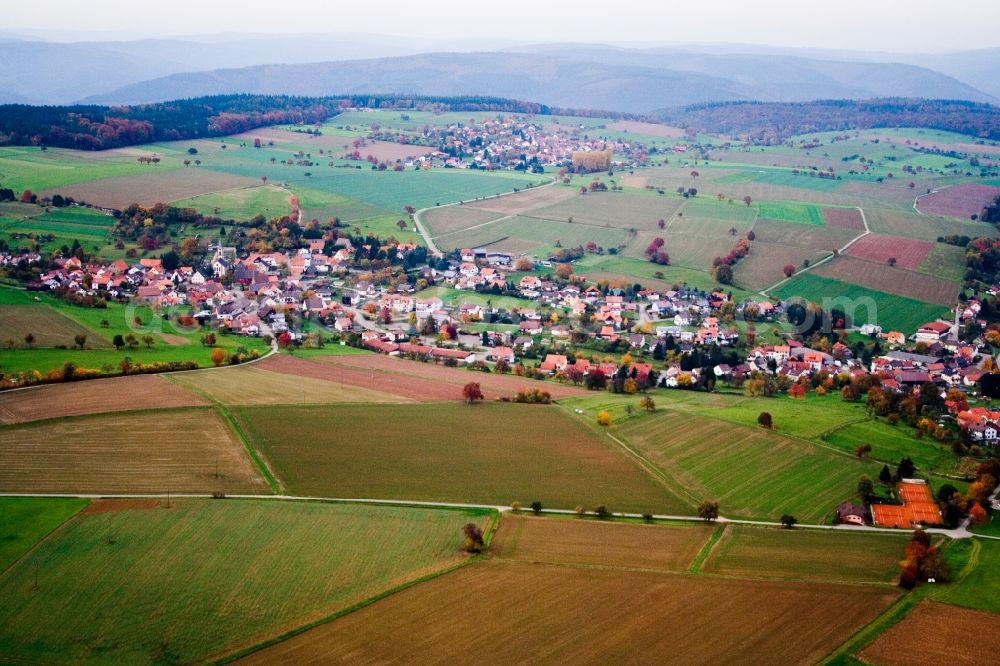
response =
{"points": [[918, 507]]}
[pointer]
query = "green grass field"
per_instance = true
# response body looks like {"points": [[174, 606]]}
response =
{"points": [[753, 473], [24, 521], [204, 578], [892, 443], [489, 453], [241, 203], [892, 312], [802, 554], [979, 589], [644, 272], [790, 211], [178, 345], [26, 167]]}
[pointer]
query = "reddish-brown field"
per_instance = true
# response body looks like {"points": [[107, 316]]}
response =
{"points": [[409, 379], [881, 277], [907, 252], [117, 394], [938, 634], [116, 505], [176, 451], [843, 218], [958, 200], [596, 543], [154, 186], [505, 612], [525, 200]]}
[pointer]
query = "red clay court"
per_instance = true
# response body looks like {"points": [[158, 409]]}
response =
{"points": [[918, 507]]}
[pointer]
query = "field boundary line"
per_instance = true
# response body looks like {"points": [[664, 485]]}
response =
{"points": [[430, 239], [708, 548], [484, 224], [45, 537], [292, 633], [261, 465], [895, 613], [840, 252]]}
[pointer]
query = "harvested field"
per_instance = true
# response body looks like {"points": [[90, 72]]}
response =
{"points": [[843, 218], [450, 452], [801, 554], [450, 219], [155, 186], [753, 473], [116, 394], [147, 452], [763, 266], [934, 634], [49, 327], [253, 386], [204, 578], [882, 277], [384, 151], [801, 235], [961, 201], [688, 250], [907, 252], [620, 210], [409, 379], [589, 616], [910, 224], [525, 200], [595, 543], [649, 129], [546, 234]]}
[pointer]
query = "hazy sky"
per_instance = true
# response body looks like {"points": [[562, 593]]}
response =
{"points": [[874, 25]]}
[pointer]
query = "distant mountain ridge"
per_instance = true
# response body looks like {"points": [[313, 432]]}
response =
{"points": [[627, 80]]}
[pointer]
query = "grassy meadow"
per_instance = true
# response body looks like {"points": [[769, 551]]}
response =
{"points": [[188, 583]]}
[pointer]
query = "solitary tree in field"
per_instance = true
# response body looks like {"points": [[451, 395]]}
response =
{"points": [[862, 450], [885, 476], [263, 180], [29, 340], [647, 404], [473, 538], [708, 510], [603, 419], [118, 341], [891, 261], [148, 341], [764, 420], [80, 339], [865, 487], [536, 507], [661, 224], [401, 224], [472, 392], [218, 356], [10, 342], [788, 521]]}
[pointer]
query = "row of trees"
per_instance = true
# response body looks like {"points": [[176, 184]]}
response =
{"points": [[93, 127], [772, 122]]}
